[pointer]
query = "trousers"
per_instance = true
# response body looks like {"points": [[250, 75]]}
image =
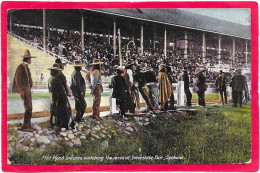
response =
{"points": [[80, 106], [96, 100], [28, 109]]}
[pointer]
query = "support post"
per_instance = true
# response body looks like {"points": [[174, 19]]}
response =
{"points": [[219, 49], [119, 49], [165, 44], [44, 30], [246, 53], [204, 48], [114, 39], [154, 41], [186, 44], [82, 33], [234, 50], [11, 29], [142, 40]]}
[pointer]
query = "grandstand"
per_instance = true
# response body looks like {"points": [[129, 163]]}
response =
{"points": [[148, 36]]}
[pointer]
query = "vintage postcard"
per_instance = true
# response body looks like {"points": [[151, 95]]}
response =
{"points": [[129, 86]]}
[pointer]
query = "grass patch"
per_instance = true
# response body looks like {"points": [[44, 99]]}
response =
{"points": [[45, 95], [216, 135]]}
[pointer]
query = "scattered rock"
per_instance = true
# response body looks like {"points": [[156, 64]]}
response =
{"points": [[71, 136], [76, 142], [63, 134], [40, 131], [83, 137], [96, 128], [37, 127], [43, 139], [126, 132], [37, 135], [69, 143], [80, 127], [129, 129], [66, 139], [32, 140], [94, 136], [63, 129], [70, 131], [8, 162], [15, 128]]}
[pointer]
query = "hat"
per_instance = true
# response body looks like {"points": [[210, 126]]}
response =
{"points": [[55, 66], [96, 61], [198, 70], [77, 63], [162, 66], [118, 68], [147, 68], [130, 63], [58, 60], [220, 72], [27, 54]]}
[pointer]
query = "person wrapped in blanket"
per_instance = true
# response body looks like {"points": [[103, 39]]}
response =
{"points": [[165, 88], [61, 113]]}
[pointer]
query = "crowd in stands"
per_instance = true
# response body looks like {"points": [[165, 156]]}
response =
{"points": [[67, 44]]}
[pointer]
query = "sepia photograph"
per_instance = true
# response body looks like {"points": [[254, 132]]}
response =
{"points": [[129, 86]]}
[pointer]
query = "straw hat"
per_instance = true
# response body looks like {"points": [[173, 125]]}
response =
{"points": [[198, 70], [96, 61], [27, 54], [130, 63], [77, 63], [147, 68], [55, 66], [120, 69], [162, 66]]}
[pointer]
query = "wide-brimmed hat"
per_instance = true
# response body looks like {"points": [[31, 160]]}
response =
{"points": [[27, 54], [120, 69], [77, 63], [129, 63], [55, 66], [147, 68], [198, 70], [162, 66], [96, 61]]}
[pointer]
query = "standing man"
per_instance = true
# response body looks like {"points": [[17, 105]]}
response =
{"points": [[221, 82], [78, 87], [22, 84], [119, 91], [96, 87], [201, 87], [165, 88], [238, 85], [186, 80]]}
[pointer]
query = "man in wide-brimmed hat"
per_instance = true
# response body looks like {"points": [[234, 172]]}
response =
{"points": [[201, 84], [60, 107], [96, 87], [22, 84], [221, 83], [132, 90], [119, 90], [78, 88]]}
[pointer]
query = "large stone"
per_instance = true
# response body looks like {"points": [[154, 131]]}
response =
{"points": [[103, 136], [66, 139], [15, 128], [40, 132], [21, 140], [94, 136], [71, 136], [80, 127], [37, 135], [126, 132], [83, 137], [63, 134], [76, 142], [32, 140], [96, 128], [43, 139], [69, 143], [63, 129], [129, 129], [70, 131], [50, 137], [18, 147]]}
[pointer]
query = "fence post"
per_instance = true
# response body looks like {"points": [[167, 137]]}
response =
{"points": [[181, 94], [112, 103]]}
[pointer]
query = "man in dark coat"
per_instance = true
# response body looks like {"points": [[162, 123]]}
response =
{"points": [[201, 84], [22, 84], [60, 107], [221, 83], [78, 87], [238, 85], [119, 90], [186, 80]]}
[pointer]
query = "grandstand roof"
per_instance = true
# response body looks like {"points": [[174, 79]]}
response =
{"points": [[177, 17]]}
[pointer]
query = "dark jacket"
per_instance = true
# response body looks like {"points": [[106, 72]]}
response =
{"points": [[149, 76], [238, 83], [201, 82], [221, 82], [186, 81], [78, 85], [119, 87], [22, 79]]}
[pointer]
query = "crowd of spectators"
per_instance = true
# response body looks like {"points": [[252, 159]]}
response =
{"points": [[67, 45]]}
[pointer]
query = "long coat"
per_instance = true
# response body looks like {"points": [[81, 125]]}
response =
{"points": [[221, 82], [22, 79], [78, 84], [119, 87], [202, 83], [60, 107]]}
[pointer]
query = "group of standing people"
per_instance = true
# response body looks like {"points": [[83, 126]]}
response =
{"points": [[156, 90]]}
